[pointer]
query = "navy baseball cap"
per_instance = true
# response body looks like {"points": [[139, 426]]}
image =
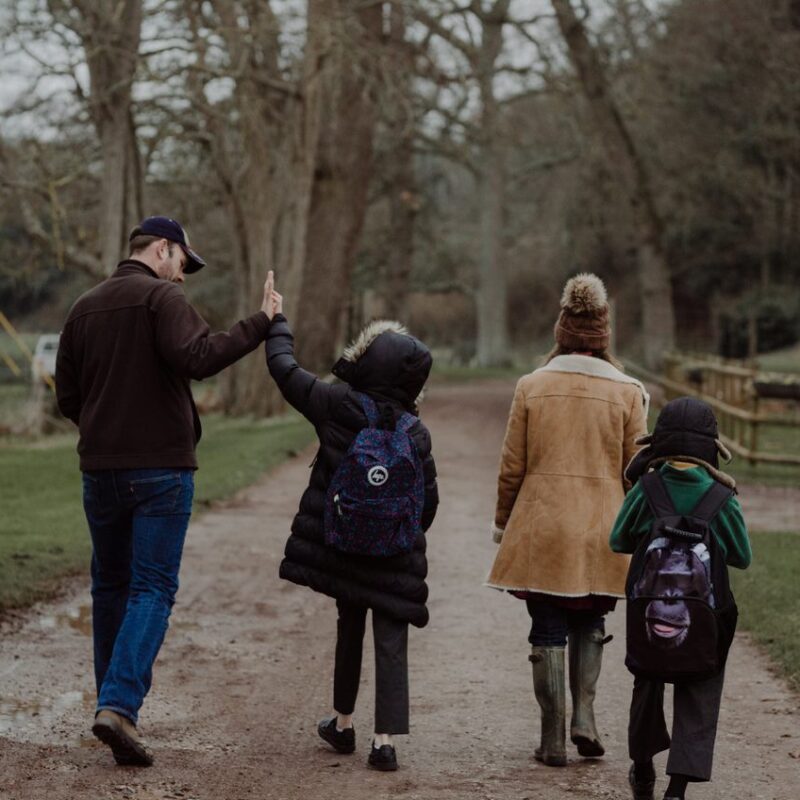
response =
{"points": [[169, 229]]}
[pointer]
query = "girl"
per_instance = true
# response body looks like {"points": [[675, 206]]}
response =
{"points": [[390, 367]]}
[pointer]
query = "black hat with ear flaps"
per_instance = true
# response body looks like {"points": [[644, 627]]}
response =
{"points": [[686, 430]]}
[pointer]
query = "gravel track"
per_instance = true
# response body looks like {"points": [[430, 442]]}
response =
{"points": [[246, 669]]}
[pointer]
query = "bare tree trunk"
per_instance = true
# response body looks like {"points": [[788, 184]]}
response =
{"points": [[247, 155], [400, 177], [491, 298], [343, 167], [110, 32], [295, 167], [403, 209], [654, 278], [247, 388]]}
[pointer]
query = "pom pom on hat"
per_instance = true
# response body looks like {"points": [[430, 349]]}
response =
{"points": [[584, 294]]}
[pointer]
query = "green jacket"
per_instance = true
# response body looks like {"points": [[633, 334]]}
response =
{"points": [[685, 487]]}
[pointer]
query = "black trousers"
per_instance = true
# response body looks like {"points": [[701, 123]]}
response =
{"points": [[694, 725], [391, 666], [551, 623]]}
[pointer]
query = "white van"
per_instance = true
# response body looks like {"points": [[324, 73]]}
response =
{"points": [[44, 356]]}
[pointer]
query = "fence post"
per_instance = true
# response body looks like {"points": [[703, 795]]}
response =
{"points": [[754, 433]]}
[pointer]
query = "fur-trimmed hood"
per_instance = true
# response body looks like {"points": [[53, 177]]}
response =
{"points": [[385, 359]]}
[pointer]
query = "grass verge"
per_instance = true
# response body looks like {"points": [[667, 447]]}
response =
{"points": [[768, 596], [43, 535], [765, 474], [787, 360], [12, 402]]}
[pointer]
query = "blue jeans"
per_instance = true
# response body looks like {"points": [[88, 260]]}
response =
{"points": [[551, 623], [137, 520]]}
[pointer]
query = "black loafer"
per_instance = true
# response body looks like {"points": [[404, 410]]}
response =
{"points": [[642, 789], [341, 741], [383, 758]]}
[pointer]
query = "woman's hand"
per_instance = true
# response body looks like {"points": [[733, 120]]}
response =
{"points": [[273, 301]]}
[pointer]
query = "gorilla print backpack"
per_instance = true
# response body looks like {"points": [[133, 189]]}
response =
{"points": [[374, 503], [681, 615]]}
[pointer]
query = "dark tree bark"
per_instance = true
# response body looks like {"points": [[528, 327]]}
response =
{"points": [[492, 296], [294, 162], [400, 174], [486, 162], [347, 43]]}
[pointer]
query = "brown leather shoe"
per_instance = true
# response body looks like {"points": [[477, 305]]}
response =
{"points": [[120, 734]]}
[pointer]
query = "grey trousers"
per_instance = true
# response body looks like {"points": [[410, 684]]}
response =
{"points": [[694, 725], [391, 666]]}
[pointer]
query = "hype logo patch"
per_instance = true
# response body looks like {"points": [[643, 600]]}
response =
{"points": [[377, 476]]}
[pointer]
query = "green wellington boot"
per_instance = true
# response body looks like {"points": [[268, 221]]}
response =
{"points": [[585, 659], [548, 686]]}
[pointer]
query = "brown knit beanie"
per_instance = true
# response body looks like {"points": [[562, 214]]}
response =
{"points": [[583, 323]]}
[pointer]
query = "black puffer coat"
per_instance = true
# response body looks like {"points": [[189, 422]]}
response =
{"points": [[391, 367]]}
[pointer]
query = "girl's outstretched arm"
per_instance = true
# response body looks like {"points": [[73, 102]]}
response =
{"points": [[312, 397]]}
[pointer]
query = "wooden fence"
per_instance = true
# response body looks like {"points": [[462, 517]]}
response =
{"points": [[740, 397]]}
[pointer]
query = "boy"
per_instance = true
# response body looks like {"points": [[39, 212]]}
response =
{"points": [[684, 447]]}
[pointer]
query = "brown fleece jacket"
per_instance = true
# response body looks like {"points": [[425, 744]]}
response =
{"points": [[128, 350]]}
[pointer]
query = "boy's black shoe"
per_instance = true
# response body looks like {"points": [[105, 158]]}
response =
{"points": [[642, 789], [383, 758], [341, 741]]}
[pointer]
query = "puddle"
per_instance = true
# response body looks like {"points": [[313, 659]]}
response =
{"points": [[17, 715], [78, 618]]}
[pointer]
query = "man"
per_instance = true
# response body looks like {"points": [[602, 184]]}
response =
{"points": [[128, 350]]}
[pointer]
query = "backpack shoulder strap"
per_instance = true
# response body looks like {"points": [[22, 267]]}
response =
{"points": [[711, 502], [370, 409], [656, 494], [406, 423]]}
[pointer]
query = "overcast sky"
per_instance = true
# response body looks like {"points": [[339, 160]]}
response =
{"points": [[23, 81]]}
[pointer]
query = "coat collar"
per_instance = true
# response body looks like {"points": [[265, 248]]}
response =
{"points": [[594, 368], [133, 265]]}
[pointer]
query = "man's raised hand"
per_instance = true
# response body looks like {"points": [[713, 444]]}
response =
{"points": [[273, 302]]}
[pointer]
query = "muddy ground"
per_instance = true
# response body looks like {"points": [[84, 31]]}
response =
{"points": [[246, 670]]}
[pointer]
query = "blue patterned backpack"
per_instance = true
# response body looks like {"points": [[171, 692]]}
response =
{"points": [[374, 502]]}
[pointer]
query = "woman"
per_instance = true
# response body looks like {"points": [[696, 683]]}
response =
{"points": [[571, 431]]}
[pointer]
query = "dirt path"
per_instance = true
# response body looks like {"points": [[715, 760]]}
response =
{"points": [[246, 672]]}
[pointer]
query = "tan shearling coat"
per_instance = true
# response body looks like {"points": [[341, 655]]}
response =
{"points": [[570, 434]]}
